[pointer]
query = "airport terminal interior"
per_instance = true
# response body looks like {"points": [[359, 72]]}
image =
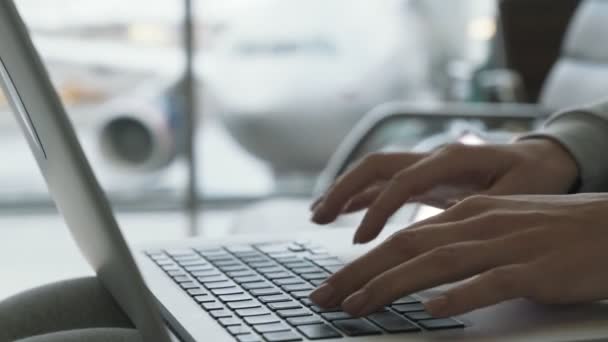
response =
{"points": [[217, 117]]}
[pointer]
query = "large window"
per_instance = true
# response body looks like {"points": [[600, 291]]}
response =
{"points": [[279, 83]]}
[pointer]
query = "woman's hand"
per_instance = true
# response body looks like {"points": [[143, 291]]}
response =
{"points": [[550, 249], [384, 182]]}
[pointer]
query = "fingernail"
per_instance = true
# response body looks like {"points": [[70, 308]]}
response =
{"points": [[317, 215], [316, 203], [322, 295], [356, 303], [356, 239], [437, 306]]}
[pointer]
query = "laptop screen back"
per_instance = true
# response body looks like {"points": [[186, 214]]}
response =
{"points": [[70, 180]]}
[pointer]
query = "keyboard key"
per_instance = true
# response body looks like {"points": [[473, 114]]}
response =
{"points": [[305, 269], [286, 258], [278, 275], [228, 321], [227, 291], [406, 300], [235, 298], [270, 269], [243, 304], [199, 268], [222, 313], [273, 247], [176, 273], [252, 312], [418, 315], [303, 320], [189, 285], [262, 263], [248, 338], [248, 279], [206, 273], [325, 262], [392, 322], [320, 309], [284, 305], [265, 291], [209, 250], [226, 263], [293, 313], [318, 331], [182, 279], [307, 301], [212, 279], [256, 261], [204, 299], [297, 264], [297, 287], [333, 269], [220, 285], [317, 282], [198, 262], [233, 268], [288, 281], [239, 249], [284, 336], [332, 316], [241, 273], [301, 294], [239, 330], [256, 285], [316, 275], [263, 319], [212, 306], [197, 292], [408, 307], [170, 267], [165, 262], [274, 298], [441, 323], [356, 327], [272, 327]]}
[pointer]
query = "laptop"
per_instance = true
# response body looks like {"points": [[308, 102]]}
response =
{"points": [[246, 288]]}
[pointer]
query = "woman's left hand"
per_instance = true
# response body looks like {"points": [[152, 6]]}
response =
{"points": [[550, 249]]}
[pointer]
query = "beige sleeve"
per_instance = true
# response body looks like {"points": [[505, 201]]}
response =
{"points": [[584, 133]]}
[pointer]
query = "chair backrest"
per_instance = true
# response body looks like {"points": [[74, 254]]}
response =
{"points": [[530, 35], [580, 75]]}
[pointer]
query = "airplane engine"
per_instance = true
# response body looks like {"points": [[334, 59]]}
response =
{"points": [[141, 135]]}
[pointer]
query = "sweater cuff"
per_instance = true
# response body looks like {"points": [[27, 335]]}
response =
{"points": [[585, 136]]}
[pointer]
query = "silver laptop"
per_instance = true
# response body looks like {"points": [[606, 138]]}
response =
{"points": [[248, 288]]}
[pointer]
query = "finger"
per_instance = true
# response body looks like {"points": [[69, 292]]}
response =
{"points": [[438, 168], [492, 287], [363, 199], [443, 265], [373, 168], [445, 196], [400, 248], [315, 203]]}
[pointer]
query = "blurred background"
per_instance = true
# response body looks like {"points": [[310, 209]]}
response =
{"points": [[278, 84]]}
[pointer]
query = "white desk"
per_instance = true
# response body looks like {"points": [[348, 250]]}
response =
{"points": [[37, 249]]}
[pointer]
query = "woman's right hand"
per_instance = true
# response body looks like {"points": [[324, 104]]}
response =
{"points": [[383, 182]]}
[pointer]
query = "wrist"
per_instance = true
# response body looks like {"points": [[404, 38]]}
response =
{"points": [[553, 157]]}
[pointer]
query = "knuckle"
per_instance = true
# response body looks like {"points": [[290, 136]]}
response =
{"points": [[452, 149], [372, 159], [445, 256], [507, 281], [404, 243], [477, 201]]}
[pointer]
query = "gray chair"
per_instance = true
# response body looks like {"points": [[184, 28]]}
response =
{"points": [[579, 76]]}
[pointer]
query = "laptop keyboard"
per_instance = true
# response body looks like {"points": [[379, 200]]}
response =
{"points": [[260, 292]]}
